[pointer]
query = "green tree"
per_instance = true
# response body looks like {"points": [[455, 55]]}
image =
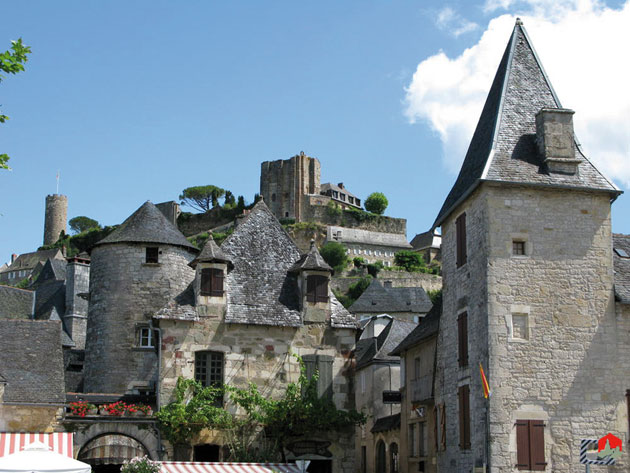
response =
{"points": [[82, 223], [410, 260], [376, 203], [240, 204], [12, 62], [229, 198], [202, 198], [334, 253]]}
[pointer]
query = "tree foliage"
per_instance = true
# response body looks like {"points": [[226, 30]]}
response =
{"points": [[376, 203], [261, 427], [334, 253], [410, 260], [202, 198], [12, 62], [82, 224]]}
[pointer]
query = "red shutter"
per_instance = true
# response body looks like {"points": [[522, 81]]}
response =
{"points": [[537, 445], [462, 339], [522, 445], [217, 282], [206, 280], [464, 417], [311, 288]]}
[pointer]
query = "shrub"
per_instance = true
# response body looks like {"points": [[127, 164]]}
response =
{"points": [[333, 209], [334, 253], [358, 261], [140, 465], [410, 260], [356, 289], [374, 268], [376, 203]]}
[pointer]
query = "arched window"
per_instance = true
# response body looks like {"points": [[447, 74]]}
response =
{"points": [[381, 465]]}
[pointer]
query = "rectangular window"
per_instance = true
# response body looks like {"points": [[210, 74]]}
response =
{"points": [[413, 446], [211, 282], [152, 255], [520, 326], [209, 370], [443, 426], [358, 202], [518, 248], [530, 445], [342, 196], [351, 199], [464, 417], [416, 368], [460, 230], [323, 364], [462, 339], [145, 337], [317, 289], [422, 437]]}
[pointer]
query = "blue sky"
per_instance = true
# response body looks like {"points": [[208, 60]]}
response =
{"points": [[136, 100]]}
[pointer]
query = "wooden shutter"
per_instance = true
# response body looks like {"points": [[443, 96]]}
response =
{"points": [[462, 339], [321, 291], [522, 445], [311, 289], [460, 229], [537, 445], [206, 280], [217, 282], [464, 417], [443, 426], [435, 427], [325, 381]]}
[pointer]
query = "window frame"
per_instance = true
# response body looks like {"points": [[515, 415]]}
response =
{"points": [[145, 333], [463, 394], [205, 378], [462, 339], [149, 257], [211, 282], [519, 248], [460, 233], [316, 288], [322, 364]]}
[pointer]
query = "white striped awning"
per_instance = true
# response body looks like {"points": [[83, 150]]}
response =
{"points": [[227, 467], [59, 442]]}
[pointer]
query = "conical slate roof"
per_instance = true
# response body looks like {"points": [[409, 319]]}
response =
{"points": [[147, 225], [210, 253], [503, 147], [311, 261]]}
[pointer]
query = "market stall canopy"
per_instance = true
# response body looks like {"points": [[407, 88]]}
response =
{"points": [[38, 458], [13, 442], [227, 467]]}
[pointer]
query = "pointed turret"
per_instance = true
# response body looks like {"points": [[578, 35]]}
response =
{"points": [[509, 147]]}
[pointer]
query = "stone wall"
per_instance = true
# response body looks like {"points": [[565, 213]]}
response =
{"points": [[77, 282], [378, 223], [192, 224], [33, 418], [125, 292], [262, 355], [55, 217]]}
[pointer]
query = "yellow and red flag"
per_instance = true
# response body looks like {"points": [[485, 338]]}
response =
{"points": [[484, 383]]}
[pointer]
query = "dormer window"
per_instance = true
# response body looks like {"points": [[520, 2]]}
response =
{"points": [[211, 282], [317, 289], [152, 254]]}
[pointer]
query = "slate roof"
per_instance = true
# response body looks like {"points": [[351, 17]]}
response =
{"points": [[30, 260], [503, 147], [428, 327], [210, 252], [53, 270], [15, 303], [424, 240], [147, 225], [386, 423], [48, 297], [622, 267], [32, 361], [378, 299], [311, 260], [381, 346]]}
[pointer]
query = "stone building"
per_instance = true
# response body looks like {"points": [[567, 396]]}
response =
{"points": [[370, 245], [428, 245], [255, 301], [28, 265], [340, 195], [420, 436], [528, 288], [135, 270], [55, 218], [377, 378]]}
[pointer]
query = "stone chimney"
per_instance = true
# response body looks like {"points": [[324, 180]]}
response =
{"points": [[555, 140], [340, 185], [13, 258], [387, 284], [77, 288]]}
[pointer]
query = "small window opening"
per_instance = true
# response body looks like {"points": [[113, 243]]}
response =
{"points": [[152, 255], [145, 337], [518, 248]]}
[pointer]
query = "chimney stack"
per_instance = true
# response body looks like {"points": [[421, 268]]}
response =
{"points": [[555, 139], [13, 257]]}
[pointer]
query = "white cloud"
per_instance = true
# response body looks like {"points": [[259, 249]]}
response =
{"points": [[449, 20], [582, 45]]}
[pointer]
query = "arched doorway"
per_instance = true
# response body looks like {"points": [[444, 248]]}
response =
{"points": [[381, 464], [107, 452], [393, 458]]}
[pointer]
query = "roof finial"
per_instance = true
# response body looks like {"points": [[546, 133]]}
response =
{"points": [[519, 22]]}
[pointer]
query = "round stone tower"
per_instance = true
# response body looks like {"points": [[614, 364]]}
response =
{"points": [[135, 271], [55, 218]]}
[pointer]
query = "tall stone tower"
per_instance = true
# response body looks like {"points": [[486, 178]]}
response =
{"points": [[528, 288], [55, 218], [285, 183], [135, 271]]}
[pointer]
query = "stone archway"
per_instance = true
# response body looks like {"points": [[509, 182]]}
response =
{"points": [[380, 460]]}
